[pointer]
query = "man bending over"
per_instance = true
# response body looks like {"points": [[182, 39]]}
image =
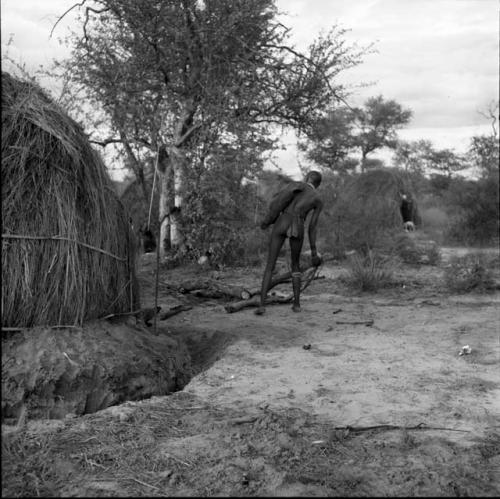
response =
{"points": [[288, 211]]}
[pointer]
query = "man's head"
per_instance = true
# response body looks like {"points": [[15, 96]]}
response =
{"points": [[314, 178]]}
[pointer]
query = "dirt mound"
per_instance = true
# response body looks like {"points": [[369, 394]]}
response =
{"points": [[49, 373]]}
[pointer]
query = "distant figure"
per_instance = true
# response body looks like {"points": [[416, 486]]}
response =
{"points": [[288, 211], [407, 213], [148, 239]]}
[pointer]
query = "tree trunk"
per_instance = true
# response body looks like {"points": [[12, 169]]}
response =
{"points": [[166, 205], [176, 236], [363, 161]]}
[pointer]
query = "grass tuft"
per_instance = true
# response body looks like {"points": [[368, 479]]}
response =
{"points": [[369, 272], [469, 273]]}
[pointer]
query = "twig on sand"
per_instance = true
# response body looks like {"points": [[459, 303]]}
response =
{"points": [[174, 311], [368, 322], [178, 460], [420, 426], [141, 482], [243, 420]]}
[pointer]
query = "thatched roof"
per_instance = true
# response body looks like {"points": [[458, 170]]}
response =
{"points": [[369, 206], [67, 250]]}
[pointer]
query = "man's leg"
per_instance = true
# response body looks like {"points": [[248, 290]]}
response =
{"points": [[295, 249], [275, 245]]}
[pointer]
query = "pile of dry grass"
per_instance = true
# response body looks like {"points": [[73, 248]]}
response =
{"points": [[67, 248], [367, 212]]}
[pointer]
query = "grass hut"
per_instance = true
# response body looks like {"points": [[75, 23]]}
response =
{"points": [[368, 210], [67, 248]]}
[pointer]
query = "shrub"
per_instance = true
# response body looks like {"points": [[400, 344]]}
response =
{"points": [[433, 254], [436, 222], [476, 216], [469, 273], [369, 272], [415, 249]]}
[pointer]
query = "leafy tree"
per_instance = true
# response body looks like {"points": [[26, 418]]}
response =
{"points": [[330, 139], [377, 123], [474, 210], [445, 161], [340, 131], [412, 156], [174, 77], [483, 153]]}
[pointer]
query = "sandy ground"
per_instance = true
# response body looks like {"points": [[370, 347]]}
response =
{"points": [[387, 409]]}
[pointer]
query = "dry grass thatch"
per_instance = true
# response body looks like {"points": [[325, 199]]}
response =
{"points": [[368, 208], [67, 249]]}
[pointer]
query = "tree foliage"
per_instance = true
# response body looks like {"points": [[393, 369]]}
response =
{"points": [[176, 77], [412, 156], [378, 122], [330, 139], [484, 154], [339, 132]]}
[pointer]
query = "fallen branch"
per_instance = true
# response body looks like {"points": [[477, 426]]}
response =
{"points": [[430, 302], [207, 293], [144, 483], [360, 323], [243, 420], [254, 301], [211, 288], [420, 426], [174, 311], [286, 277]]}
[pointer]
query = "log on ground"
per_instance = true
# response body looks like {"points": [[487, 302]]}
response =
{"points": [[254, 301]]}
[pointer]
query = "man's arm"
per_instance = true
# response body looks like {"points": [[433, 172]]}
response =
{"points": [[313, 225]]}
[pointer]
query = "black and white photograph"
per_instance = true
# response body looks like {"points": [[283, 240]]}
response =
{"points": [[250, 248]]}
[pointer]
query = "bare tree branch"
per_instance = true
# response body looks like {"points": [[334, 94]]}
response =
{"points": [[81, 4]]}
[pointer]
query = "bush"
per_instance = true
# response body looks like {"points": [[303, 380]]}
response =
{"points": [[435, 221], [414, 248], [433, 254], [469, 273], [369, 272], [475, 219]]}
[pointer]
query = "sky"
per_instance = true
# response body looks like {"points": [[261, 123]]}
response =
{"points": [[440, 58]]}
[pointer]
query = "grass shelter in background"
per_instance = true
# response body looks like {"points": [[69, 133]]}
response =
{"points": [[68, 253], [367, 212]]}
